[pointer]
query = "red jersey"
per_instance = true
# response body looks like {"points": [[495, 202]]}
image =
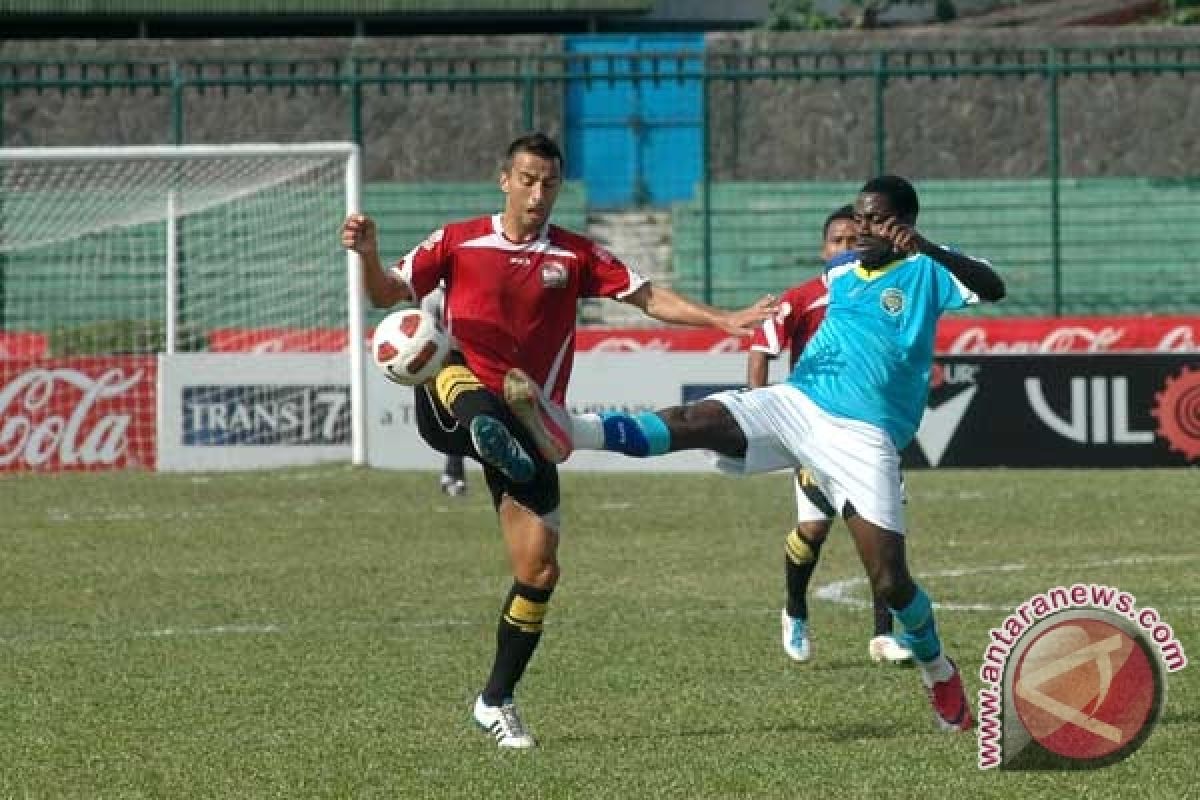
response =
{"points": [[514, 305], [801, 309]]}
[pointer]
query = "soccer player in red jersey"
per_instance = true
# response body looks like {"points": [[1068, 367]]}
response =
{"points": [[513, 281], [801, 309]]}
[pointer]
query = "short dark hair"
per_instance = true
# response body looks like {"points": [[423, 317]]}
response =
{"points": [[900, 194], [843, 212], [536, 144]]}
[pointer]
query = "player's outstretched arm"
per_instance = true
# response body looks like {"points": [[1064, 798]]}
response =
{"points": [[666, 305], [383, 289], [976, 275]]}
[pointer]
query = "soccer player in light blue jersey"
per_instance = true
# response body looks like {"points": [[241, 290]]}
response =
{"points": [[853, 400]]}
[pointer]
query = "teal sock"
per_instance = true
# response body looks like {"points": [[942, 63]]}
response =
{"points": [[658, 437], [920, 631]]}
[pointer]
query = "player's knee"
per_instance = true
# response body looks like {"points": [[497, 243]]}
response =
{"points": [[546, 574], [813, 531], [540, 572]]}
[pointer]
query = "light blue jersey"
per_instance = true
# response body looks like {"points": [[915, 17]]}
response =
{"points": [[871, 357]]}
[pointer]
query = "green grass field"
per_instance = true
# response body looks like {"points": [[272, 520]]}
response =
{"points": [[322, 632]]}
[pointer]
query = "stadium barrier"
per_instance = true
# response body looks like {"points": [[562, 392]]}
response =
{"points": [[1033, 410], [1008, 392]]}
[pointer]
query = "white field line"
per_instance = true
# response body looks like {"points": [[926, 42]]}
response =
{"points": [[848, 592]]}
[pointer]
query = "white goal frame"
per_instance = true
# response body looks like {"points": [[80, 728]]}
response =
{"points": [[353, 198]]}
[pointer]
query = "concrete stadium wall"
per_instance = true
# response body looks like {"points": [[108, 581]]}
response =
{"points": [[1111, 124]]}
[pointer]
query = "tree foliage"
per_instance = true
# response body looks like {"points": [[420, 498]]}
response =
{"points": [[1184, 12]]}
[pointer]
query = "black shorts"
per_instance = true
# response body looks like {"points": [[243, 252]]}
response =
{"points": [[443, 433]]}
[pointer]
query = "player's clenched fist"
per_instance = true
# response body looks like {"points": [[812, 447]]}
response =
{"points": [[903, 237], [358, 234]]}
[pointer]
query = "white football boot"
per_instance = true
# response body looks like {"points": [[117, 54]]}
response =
{"points": [[888, 648], [547, 422], [504, 724], [795, 637]]}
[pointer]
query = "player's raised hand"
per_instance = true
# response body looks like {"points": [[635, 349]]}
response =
{"points": [[904, 238], [358, 234], [747, 320]]}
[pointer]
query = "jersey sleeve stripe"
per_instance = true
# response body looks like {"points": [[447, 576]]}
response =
{"points": [[969, 297], [402, 271], [636, 281]]}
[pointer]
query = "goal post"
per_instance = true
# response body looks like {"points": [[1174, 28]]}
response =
{"points": [[179, 256]]}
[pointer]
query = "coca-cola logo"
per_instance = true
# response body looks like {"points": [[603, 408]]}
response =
{"points": [[1057, 340], [1181, 339], [1073, 339], [51, 417], [629, 344]]}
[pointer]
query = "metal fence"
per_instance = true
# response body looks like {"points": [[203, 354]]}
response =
{"points": [[1076, 170]]}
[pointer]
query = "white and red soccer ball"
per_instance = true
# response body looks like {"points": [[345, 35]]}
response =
{"points": [[409, 346]]}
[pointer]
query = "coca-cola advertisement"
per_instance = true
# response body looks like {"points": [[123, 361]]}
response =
{"points": [[650, 340], [955, 335], [1015, 335], [22, 344], [77, 413], [277, 340]]}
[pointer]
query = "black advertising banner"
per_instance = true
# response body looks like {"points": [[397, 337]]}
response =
{"points": [[1102, 410]]}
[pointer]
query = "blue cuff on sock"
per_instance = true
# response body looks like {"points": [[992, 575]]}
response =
{"points": [[639, 435]]}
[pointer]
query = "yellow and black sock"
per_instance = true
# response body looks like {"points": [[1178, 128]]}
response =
{"points": [[460, 392], [517, 637], [802, 556]]}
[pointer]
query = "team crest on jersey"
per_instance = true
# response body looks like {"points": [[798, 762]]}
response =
{"points": [[554, 275], [892, 301]]}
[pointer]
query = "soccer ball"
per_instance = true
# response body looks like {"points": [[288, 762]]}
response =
{"points": [[409, 346]]}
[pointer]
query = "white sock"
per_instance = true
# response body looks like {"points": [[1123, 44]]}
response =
{"points": [[587, 431], [936, 671]]}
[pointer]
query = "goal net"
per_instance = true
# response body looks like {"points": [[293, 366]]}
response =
{"points": [[145, 290]]}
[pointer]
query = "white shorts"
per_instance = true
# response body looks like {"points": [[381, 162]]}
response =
{"points": [[851, 461], [806, 509]]}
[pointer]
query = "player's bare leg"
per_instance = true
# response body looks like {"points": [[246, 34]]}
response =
{"points": [[454, 477], [706, 425], [802, 550], [533, 556], [883, 556]]}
